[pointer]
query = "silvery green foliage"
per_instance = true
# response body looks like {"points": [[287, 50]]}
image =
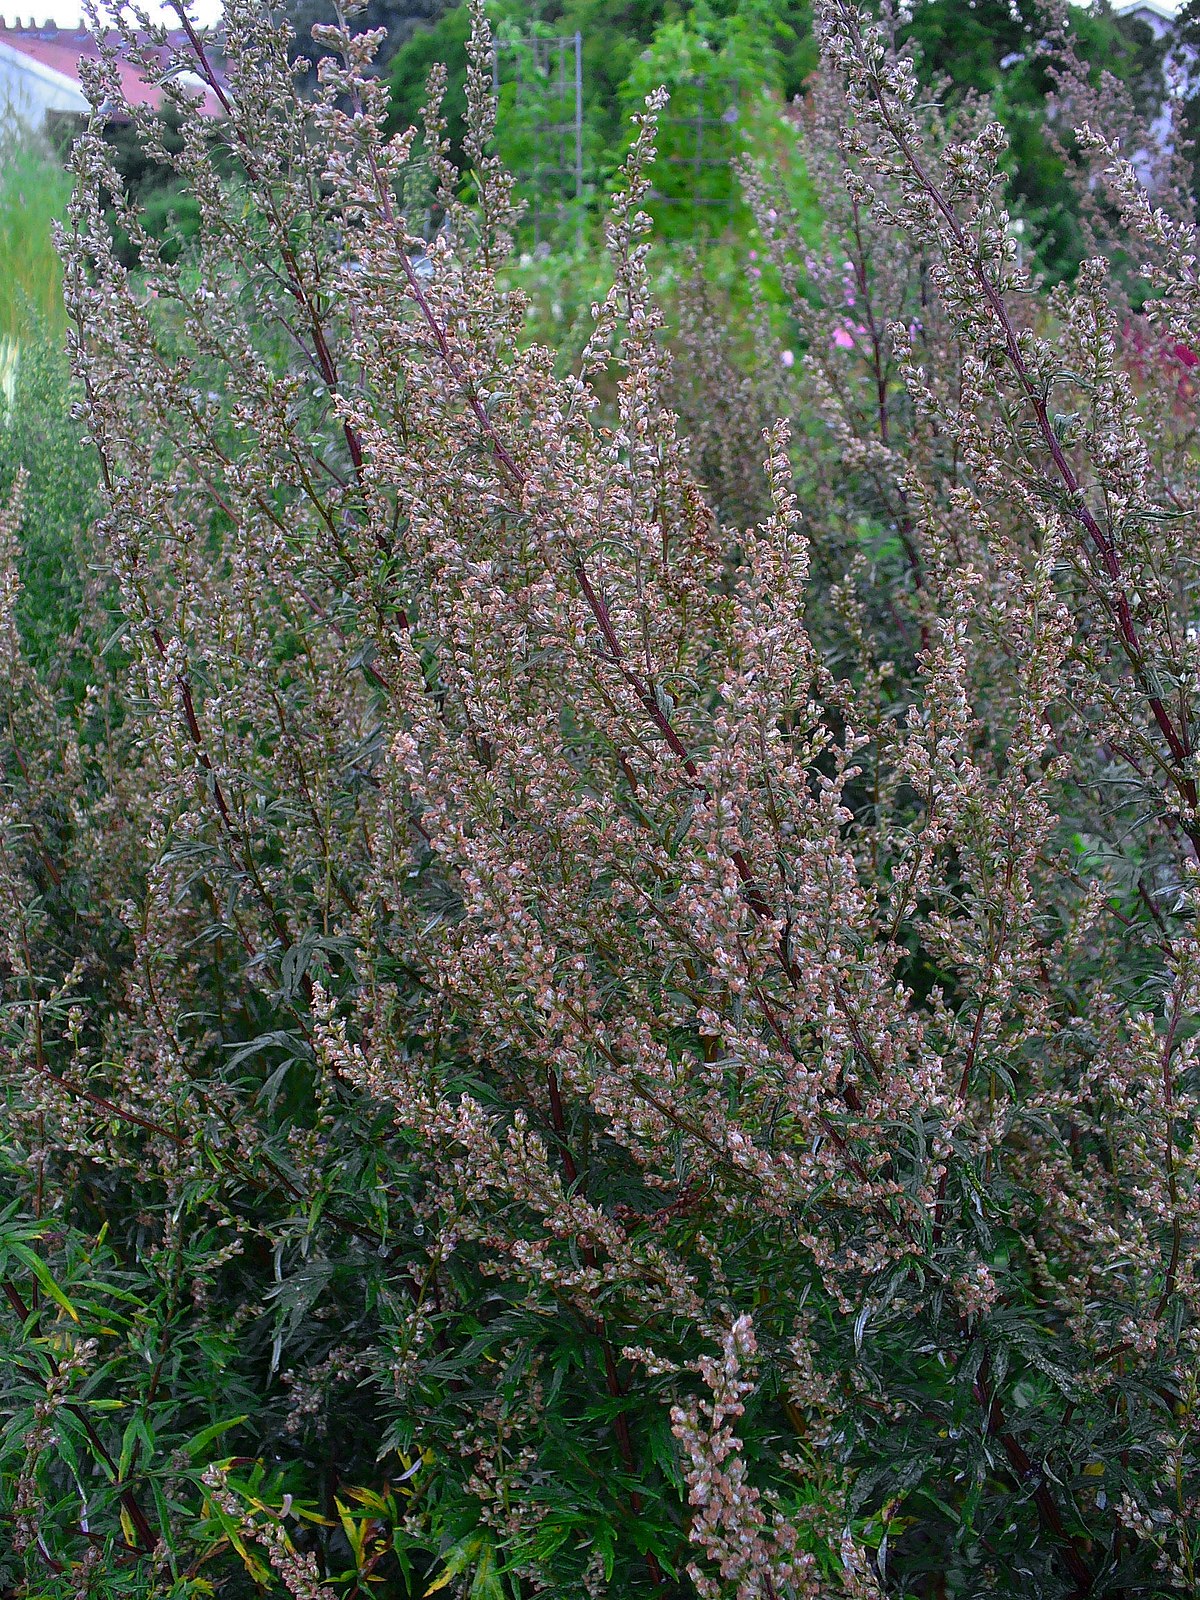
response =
{"points": [[557, 1041]]}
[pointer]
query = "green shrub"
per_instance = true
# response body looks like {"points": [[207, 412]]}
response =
{"points": [[579, 1017]]}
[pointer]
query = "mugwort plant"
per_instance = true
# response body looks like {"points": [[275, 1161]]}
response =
{"points": [[600, 973]]}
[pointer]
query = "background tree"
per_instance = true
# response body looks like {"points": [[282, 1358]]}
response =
{"points": [[616, 35], [401, 18], [1001, 49], [992, 48], [1187, 33]]}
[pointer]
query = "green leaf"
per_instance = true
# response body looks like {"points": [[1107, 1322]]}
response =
{"points": [[205, 1437], [42, 1273], [476, 1551]]}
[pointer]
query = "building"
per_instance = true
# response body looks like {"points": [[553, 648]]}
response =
{"points": [[1179, 78], [1158, 15], [39, 75]]}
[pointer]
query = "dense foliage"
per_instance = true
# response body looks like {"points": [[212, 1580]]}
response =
{"points": [[1001, 49], [600, 979], [740, 44], [1007, 51]]}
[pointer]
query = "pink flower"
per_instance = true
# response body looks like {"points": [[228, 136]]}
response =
{"points": [[788, 358], [843, 338]]}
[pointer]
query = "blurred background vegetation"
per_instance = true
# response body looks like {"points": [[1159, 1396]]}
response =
{"points": [[748, 47], [34, 191], [738, 64]]}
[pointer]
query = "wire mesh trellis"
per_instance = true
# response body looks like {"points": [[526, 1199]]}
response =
{"points": [[697, 143], [539, 83]]}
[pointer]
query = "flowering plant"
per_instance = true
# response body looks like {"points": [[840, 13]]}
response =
{"points": [[571, 1028]]}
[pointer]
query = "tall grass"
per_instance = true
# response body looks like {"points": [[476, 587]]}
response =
{"points": [[34, 191]]}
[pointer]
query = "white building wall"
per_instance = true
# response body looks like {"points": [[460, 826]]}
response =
{"points": [[1158, 18], [28, 90]]}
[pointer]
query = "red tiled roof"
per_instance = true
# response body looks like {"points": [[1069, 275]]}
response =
{"points": [[61, 48]]}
